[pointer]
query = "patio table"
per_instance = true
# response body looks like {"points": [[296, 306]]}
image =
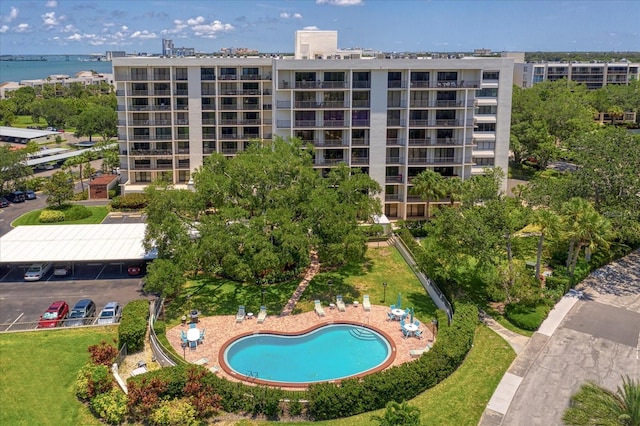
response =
{"points": [[410, 329], [397, 313], [193, 334]]}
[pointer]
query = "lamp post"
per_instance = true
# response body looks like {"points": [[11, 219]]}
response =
{"points": [[384, 295]]}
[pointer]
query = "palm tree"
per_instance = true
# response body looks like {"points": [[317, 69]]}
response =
{"points": [[595, 405], [429, 185], [454, 189], [549, 224], [399, 415], [585, 227]]}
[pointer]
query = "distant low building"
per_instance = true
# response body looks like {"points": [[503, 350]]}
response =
{"points": [[86, 78]]}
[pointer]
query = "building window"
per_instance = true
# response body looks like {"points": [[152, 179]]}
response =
{"points": [[491, 75], [486, 127], [181, 74], [415, 210], [207, 73], [487, 93], [448, 76], [486, 109], [143, 177], [484, 161], [485, 145]]}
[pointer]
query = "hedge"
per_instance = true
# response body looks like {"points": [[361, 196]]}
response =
{"points": [[133, 201], [354, 396], [526, 316], [133, 325]]}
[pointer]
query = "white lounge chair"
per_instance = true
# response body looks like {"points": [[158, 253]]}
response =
{"points": [[340, 303], [318, 308], [418, 352], [201, 361], [262, 315], [241, 314], [366, 303]]}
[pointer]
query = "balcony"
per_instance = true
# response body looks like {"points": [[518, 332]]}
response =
{"points": [[396, 141], [397, 84], [393, 197], [361, 84], [457, 84], [321, 105], [208, 149], [150, 138], [393, 179], [448, 141], [360, 142], [361, 103], [335, 123], [161, 93], [304, 123], [417, 160], [359, 161], [419, 141], [181, 92], [397, 104], [228, 77], [418, 123], [396, 122], [329, 161], [395, 160], [183, 164], [209, 121], [421, 84], [360, 123], [234, 92], [321, 85], [150, 152], [209, 107], [206, 92], [330, 143]]}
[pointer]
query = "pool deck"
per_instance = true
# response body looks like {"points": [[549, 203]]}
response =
{"points": [[220, 329]]}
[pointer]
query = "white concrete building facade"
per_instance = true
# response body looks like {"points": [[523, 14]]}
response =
{"points": [[392, 118]]}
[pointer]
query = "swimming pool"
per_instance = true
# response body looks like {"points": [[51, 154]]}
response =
{"points": [[330, 352]]}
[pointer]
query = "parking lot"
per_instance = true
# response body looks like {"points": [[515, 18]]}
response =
{"points": [[22, 303], [79, 271]]}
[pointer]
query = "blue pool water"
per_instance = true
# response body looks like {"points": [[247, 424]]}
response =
{"points": [[328, 353]]}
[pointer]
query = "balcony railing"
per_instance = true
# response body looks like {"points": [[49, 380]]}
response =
{"points": [[397, 104], [208, 92], [321, 85], [393, 179], [150, 137], [329, 161], [396, 141], [234, 92], [448, 141], [181, 92], [360, 142], [418, 123], [330, 143], [209, 136], [419, 141], [395, 160], [397, 84], [304, 123], [420, 84], [393, 197], [209, 121], [361, 103], [148, 152], [335, 123], [360, 122], [321, 105], [208, 149], [359, 160], [417, 160], [394, 122], [209, 107], [361, 84]]}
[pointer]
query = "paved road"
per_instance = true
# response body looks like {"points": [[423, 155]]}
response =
{"points": [[596, 337]]}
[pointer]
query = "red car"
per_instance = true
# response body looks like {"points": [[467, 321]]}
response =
{"points": [[137, 269], [54, 315]]}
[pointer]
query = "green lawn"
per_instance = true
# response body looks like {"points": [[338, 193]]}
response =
{"points": [[38, 372], [31, 218], [214, 296]]}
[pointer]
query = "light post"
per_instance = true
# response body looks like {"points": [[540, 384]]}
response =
{"points": [[384, 295]]}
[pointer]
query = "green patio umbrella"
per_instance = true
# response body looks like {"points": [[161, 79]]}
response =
{"points": [[411, 321], [399, 302]]}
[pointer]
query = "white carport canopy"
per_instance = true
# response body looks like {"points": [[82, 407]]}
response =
{"points": [[73, 243]]}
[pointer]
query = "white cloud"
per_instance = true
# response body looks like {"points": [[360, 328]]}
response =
{"points": [[4, 29], [13, 14], [297, 16], [22, 28], [49, 19], [284, 15], [144, 35], [178, 28], [75, 37], [196, 21], [108, 24], [51, 3], [311, 28], [124, 28], [340, 2], [69, 29]]}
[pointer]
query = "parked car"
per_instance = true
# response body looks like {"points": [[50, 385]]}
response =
{"points": [[82, 313], [4, 202], [16, 197], [61, 270], [54, 315], [110, 314], [136, 269], [37, 271], [29, 194]]}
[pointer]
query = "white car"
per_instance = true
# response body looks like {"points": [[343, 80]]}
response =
{"points": [[110, 314], [61, 270], [37, 271]]}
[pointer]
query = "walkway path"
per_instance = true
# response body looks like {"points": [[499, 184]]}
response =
{"points": [[311, 272], [591, 334]]}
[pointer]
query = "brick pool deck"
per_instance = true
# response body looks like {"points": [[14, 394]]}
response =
{"points": [[220, 329]]}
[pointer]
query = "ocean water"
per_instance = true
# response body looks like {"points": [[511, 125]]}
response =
{"points": [[55, 64]]}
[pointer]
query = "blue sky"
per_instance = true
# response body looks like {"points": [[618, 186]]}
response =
{"points": [[69, 26]]}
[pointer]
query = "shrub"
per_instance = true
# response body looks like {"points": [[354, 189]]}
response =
{"points": [[144, 396], [81, 196], [76, 212], [93, 380], [160, 327], [133, 325], [528, 317], [174, 412], [110, 406], [51, 216], [103, 353], [133, 201]]}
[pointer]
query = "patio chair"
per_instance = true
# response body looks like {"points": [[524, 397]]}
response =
{"points": [[193, 345], [366, 303], [201, 339], [418, 333], [392, 307], [241, 314], [390, 316], [402, 324], [183, 335], [318, 308], [262, 315], [192, 325], [405, 332], [418, 352], [340, 303]]}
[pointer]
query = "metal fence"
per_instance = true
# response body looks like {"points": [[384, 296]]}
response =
{"points": [[17, 326], [429, 285], [158, 349]]}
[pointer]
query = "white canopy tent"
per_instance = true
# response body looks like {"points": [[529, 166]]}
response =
{"points": [[74, 243]]}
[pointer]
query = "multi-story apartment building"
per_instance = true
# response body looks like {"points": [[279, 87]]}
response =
{"points": [[593, 75], [392, 118]]}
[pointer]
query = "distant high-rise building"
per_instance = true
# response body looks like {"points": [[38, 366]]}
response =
{"points": [[391, 118]]}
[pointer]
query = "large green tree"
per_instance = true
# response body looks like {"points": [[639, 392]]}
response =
{"points": [[13, 165], [429, 186], [98, 120], [58, 188], [256, 216]]}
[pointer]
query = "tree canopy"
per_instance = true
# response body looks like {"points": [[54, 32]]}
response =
{"points": [[256, 216]]}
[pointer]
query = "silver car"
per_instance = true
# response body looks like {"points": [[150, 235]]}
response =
{"points": [[110, 314], [37, 271]]}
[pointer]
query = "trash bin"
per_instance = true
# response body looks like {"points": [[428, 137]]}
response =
{"points": [[194, 316]]}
